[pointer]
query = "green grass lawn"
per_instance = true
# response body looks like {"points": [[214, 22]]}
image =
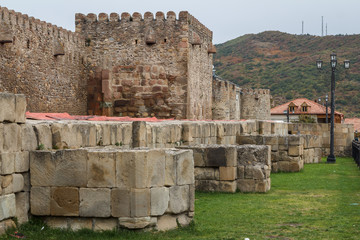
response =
{"points": [[320, 202]]}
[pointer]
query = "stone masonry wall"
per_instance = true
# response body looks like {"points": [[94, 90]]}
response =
{"points": [[226, 100], [255, 104], [109, 188], [14, 162], [343, 136], [140, 65], [44, 62], [227, 168]]}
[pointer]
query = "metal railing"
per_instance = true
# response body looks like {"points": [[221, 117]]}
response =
{"points": [[356, 152]]}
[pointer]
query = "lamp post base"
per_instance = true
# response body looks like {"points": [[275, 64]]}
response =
{"points": [[331, 159]]}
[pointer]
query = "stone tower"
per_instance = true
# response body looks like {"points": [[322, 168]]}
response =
{"points": [[148, 66]]}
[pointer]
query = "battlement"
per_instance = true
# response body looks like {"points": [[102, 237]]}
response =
{"points": [[249, 91], [148, 17], [18, 20]]}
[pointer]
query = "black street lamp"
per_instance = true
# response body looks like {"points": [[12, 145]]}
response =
{"points": [[333, 62], [326, 103]]}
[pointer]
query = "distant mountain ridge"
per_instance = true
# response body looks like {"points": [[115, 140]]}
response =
{"points": [[285, 63]]}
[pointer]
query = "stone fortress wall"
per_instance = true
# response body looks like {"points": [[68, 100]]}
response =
{"points": [[155, 200], [119, 65], [44, 62]]}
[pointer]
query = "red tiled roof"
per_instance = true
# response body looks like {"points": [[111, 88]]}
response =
{"points": [[355, 122], [313, 107]]}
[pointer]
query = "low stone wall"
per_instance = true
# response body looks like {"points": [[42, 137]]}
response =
{"points": [[105, 188], [14, 162], [343, 136], [227, 168], [288, 153]]}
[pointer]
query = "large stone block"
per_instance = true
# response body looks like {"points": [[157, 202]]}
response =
{"points": [[132, 169], [215, 156], [44, 135], [156, 167], [159, 200], [254, 172], [62, 223], [137, 223], [170, 167], [120, 202], [253, 154], [20, 108], [40, 201], [7, 110], [5, 225], [228, 173], [18, 182], [295, 151], [168, 222], [28, 137], [7, 206], [105, 224], [7, 163], [64, 201], [12, 137], [140, 202], [179, 199], [100, 169], [184, 167], [63, 168], [75, 224], [7, 184], [139, 134], [95, 202], [283, 166], [205, 174], [22, 206], [22, 162], [1, 137], [246, 185]]}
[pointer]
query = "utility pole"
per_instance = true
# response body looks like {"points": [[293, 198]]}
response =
{"points": [[326, 29], [302, 27], [322, 26]]}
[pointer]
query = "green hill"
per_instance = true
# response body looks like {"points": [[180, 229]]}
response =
{"points": [[285, 64]]}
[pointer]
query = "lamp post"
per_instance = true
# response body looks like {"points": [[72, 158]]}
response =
{"points": [[333, 62], [326, 103]]}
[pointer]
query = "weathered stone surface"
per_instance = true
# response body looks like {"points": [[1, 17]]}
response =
{"points": [[22, 206], [22, 162], [105, 224], [228, 173], [64, 201], [294, 166], [7, 206], [184, 167], [156, 168], [101, 169], [215, 157], [7, 184], [166, 222], [1, 137], [159, 200], [28, 137], [12, 137], [61, 168], [254, 172], [95, 202], [139, 134], [179, 199], [283, 166], [205, 173], [132, 169], [18, 182], [246, 185], [20, 108], [140, 203], [7, 111], [7, 163], [120, 202], [40, 201], [6, 224], [199, 157], [60, 223], [77, 224], [27, 185], [215, 186], [44, 135], [295, 151], [252, 154], [136, 223], [170, 167]]}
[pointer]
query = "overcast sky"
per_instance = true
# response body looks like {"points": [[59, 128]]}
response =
{"points": [[227, 19]]}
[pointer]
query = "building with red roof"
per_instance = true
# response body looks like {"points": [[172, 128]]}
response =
{"points": [[304, 106]]}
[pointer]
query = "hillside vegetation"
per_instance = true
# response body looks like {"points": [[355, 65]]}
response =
{"points": [[285, 64]]}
